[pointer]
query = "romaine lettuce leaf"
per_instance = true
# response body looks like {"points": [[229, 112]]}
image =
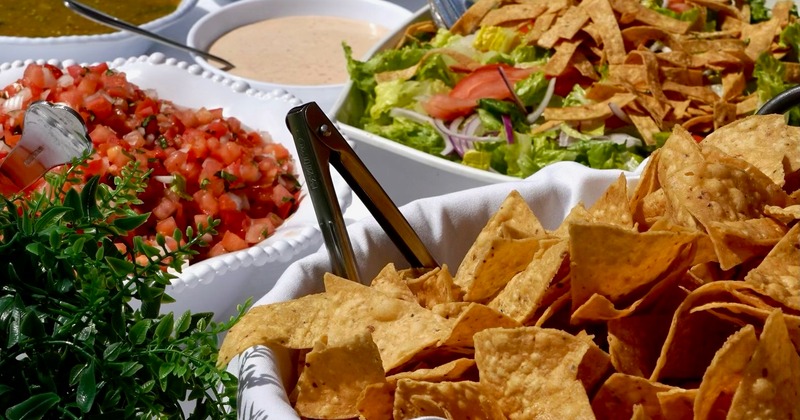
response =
{"points": [[422, 137]]}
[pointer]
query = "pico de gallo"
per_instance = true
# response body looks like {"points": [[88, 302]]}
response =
{"points": [[203, 164]]}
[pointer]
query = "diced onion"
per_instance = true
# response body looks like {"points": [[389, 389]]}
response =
{"points": [[548, 95], [626, 139], [717, 88], [619, 112], [508, 128], [65, 80], [17, 101], [165, 179], [411, 115]]}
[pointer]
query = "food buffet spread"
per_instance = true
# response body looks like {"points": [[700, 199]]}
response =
{"points": [[616, 232]]}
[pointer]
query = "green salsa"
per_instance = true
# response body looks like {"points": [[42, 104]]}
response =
{"points": [[46, 18]]}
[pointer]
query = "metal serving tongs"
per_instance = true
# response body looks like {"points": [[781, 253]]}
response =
{"points": [[320, 143], [52, 135]]}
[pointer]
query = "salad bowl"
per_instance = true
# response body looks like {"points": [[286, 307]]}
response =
{"points": [[424, 146]]}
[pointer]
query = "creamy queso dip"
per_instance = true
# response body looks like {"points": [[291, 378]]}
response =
{"points": [[296, 50]]}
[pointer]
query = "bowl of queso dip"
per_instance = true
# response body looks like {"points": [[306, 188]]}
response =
{"points": [[47, 29], [294, 45]]}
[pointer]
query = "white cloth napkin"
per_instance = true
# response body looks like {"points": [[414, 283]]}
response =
{"points": [[447, 224]]}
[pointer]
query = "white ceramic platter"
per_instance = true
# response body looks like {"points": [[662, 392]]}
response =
{"points": [[189, 85]]}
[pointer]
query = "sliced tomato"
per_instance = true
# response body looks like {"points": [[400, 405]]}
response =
{"points": [[448, 108], [678, 6], [485, 82]]}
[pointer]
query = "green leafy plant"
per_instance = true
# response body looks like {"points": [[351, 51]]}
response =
{"points": [[81, 329]]}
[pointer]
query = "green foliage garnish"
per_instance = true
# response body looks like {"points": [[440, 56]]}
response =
{"points": [[81, 329]]}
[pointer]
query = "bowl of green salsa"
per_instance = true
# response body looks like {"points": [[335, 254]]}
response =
{"points": [[46, 29]]}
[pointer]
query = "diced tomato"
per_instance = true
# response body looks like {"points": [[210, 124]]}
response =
{"points": [[221, 170], [233, 242], [259, 230], [98, 105], [207, 202], [165, 209], [166, 227]]}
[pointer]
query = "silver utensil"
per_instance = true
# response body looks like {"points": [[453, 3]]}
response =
{"points": [[319, 144], [52, 135], [782, 102], [445, 13], [115, 23]]}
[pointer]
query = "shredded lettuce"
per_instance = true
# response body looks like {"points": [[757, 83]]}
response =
{"points": [[770, 73], [531, 90], [402, 94], [422, 137], [759, 11], [790, 37]]}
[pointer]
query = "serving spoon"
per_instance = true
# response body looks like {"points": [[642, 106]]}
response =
{"points": [[52, 135], [113, 22]]}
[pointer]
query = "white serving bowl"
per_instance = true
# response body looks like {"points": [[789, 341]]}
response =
{"points": [[447, 224], [88, 48], [405, 173], [221, 21], [218, 284]]}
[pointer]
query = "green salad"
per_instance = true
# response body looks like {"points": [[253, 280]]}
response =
{"points": [[600, 82]]}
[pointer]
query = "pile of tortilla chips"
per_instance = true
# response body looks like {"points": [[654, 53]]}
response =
{"points": [[679, 299], [659, 70]]}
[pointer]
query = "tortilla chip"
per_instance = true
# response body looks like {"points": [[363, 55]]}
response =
{"points": [[602, 14], [512, 13], [376, 402], [649, 16], [532, 372], [521, 297], [565, 26], [353, 307], [737, 241], [695, 337], [481, 277], [620, 393], [560, 60], [389, 281], [617, 263], [454, 400], [744, 139], [473, 319], [335, 375], [677, 403], [612, 207], [646, 126], [588, 112], [724, 374], [434, 287], [450, 371], [778, 275], [470, 21], [771, 381], [634, 342]]}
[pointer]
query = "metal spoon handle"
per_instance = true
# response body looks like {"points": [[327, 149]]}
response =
{"points": [[115, 23]]}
